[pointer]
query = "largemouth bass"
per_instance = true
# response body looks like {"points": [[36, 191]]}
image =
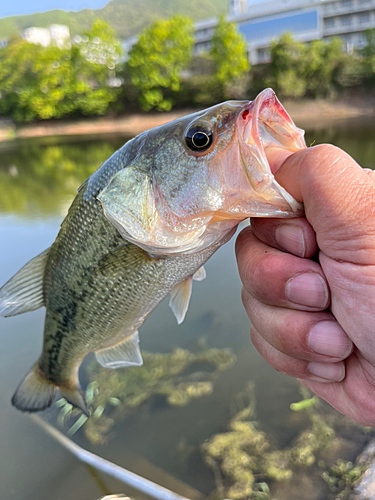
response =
{"points": [[140, 228]]}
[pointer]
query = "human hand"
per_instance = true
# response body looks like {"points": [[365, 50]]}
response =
{"points": [[316, 320]]}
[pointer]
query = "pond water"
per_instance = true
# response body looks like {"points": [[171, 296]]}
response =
{"points": [[159, 431]]}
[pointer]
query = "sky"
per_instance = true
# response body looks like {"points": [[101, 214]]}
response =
{"points": [[16, 7]]}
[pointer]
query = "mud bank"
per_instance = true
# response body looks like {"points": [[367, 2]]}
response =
{"points": [[307, 114]]}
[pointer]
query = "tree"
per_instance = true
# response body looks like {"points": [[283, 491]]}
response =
{"points": [[16, 73], [287, 75], [51, 82], [316, 69], [368, 54], [100, 52], [229, 52], [157, 59], [319, 63]]}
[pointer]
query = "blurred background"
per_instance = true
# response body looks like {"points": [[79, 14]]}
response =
{"points": [[138, 56], [205, 416]]}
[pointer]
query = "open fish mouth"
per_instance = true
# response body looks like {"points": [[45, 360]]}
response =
{"points": [[262, 125]]}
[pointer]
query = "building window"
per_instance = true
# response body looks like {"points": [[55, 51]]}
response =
{"points": [[362, 42], [364, 17], [346, 3], [346, 20], [263, 55], [329, 23]]}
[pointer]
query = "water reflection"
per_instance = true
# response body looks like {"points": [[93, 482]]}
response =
{"points": [[355, 136], [43, 179], [253, 439]]}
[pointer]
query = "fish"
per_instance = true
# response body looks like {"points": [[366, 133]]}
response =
{"points": [[142, 227]]}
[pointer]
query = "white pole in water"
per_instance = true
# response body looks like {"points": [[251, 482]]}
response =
{"points": [[137, 482]]}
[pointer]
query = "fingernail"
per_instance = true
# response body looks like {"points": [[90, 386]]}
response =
{"points": [[307, 289], [328, 371], [291, 239], [328, 338]]}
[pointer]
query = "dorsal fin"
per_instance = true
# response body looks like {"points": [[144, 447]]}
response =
{"points": [[180, 298], [125, 353], [24, 292]]}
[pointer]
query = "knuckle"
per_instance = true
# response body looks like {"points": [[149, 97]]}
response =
{"points": [[325, 151], [263, 272]]}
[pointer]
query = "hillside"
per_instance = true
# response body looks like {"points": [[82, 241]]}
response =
{"points": [[126, 16]]}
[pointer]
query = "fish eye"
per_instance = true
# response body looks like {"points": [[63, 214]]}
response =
{"points": [[198, 139]]}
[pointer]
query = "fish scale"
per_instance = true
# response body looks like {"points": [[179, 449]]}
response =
{"points": [[105, 302]]}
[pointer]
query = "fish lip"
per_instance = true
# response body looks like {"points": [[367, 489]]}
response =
{"points": [[266, 107]]}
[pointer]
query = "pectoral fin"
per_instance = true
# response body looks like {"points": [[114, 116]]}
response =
{"points": [[199, 275], [24, 292], [180, 297], [126, 256], [125, 353]]}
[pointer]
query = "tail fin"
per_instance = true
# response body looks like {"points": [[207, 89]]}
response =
{"points": [[35, 392]]}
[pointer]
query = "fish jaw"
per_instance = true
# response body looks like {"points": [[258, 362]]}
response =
{"points": [[252, 190]]}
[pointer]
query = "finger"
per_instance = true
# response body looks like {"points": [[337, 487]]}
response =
{"points": [[339, 200], [293, 235], [313, 371], [280, 279], [354, 396], [309, 336]]}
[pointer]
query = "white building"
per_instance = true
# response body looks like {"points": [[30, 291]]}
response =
{"points": [[56, 34], [60, 34], [38, 36], [238, 6], [307, 20]]}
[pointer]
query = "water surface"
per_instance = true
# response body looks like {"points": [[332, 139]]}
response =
{"points": [[38, 181]]}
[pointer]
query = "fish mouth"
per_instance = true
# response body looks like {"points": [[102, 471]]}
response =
{"points": [[263, 126]]}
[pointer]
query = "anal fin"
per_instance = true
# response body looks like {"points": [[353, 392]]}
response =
{"points": [[124, 353], [180, 298], [24, 291]]}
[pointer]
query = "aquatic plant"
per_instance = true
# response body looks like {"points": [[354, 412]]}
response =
{"points": [[342, 476], [243, 458], [178, 377], [246, 463]]}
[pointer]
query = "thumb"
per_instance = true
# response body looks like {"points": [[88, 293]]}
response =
{"points": [[339, 200]]}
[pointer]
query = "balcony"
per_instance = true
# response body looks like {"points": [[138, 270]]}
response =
{"points": [[352, 7], [352, 27]]}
